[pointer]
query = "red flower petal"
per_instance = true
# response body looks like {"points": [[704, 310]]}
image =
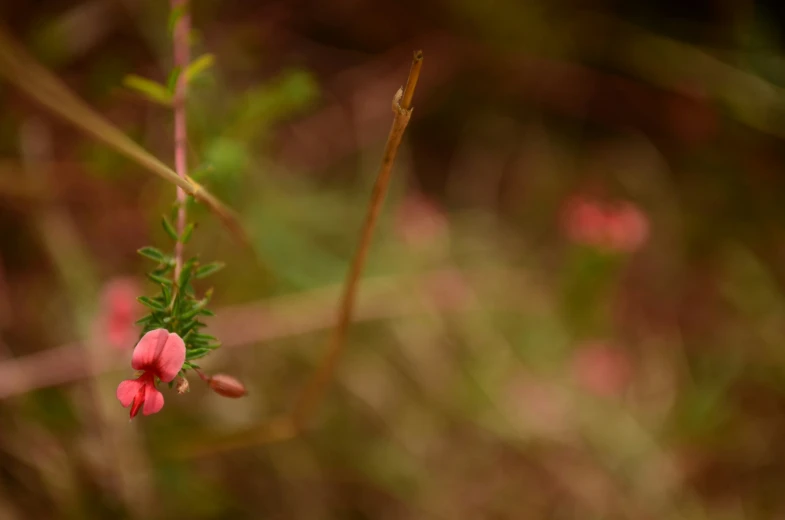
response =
{"points": [[170, 359], [148, 349], [153, 400], [127, 390]]}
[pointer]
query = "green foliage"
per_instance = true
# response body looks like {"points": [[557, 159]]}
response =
{"points": [[176, 307], [199, 65], [148, 89]]}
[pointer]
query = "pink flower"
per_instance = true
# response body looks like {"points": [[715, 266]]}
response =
{"points": [[627, 229], [584, 221], [620, 228], [120, 312], [159, 354]]}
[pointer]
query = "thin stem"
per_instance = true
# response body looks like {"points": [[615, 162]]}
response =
{"points": [[181, 59], [19, 68], [311, 394]]}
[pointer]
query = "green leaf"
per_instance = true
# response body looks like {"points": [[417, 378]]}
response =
{"points": [[208, 269], [197, 353], [169, 228], [186, 327], [143, 321], [159, 279], [186, 236], [175, 15], [171, 82], [153, 254], [199, 65], [164, 270], [149, 302], [167, 293], [149, 89], [206, 312], [185, 274]]}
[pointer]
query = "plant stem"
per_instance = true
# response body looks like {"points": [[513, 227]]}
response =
{"points": [[181, 59], [21, 69], [314, 389]]}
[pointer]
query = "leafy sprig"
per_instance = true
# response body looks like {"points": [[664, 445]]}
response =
{"points": [[176, 307]]}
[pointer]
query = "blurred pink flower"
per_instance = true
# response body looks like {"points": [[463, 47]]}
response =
{"points": [[120, 312], [159, 354], [602, 369], [584, 221], [626, 228], [621, 228], [418, 221]]}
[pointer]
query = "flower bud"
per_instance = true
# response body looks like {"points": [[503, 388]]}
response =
{"points": [[182, 385], [227, 386]]}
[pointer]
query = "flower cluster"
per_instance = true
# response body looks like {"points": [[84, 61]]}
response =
{"points": [[620, 227]]}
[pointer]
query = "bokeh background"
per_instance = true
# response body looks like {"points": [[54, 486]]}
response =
{"points": [[573, 306]]}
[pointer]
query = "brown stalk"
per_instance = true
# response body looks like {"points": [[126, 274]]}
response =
{"points": [[402, 111], [289, 426]]}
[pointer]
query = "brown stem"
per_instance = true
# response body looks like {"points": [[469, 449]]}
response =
{"points": [[314, 389], [289, 426], [181, 59]]}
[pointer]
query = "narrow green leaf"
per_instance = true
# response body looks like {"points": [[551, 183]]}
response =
{"points": [[208, 269], [143, 321], [169, 228], [167, 293], [185, 276], [206, 312], [153, 254], [186, 327], [163, 270], [171, 83], [197, 353], [187, 232], [204, 337], [199, 65], [149, 89], [159, 279], [148, 302]]}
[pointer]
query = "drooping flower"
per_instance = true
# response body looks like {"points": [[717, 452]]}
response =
{"points": [[159, 354]]}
